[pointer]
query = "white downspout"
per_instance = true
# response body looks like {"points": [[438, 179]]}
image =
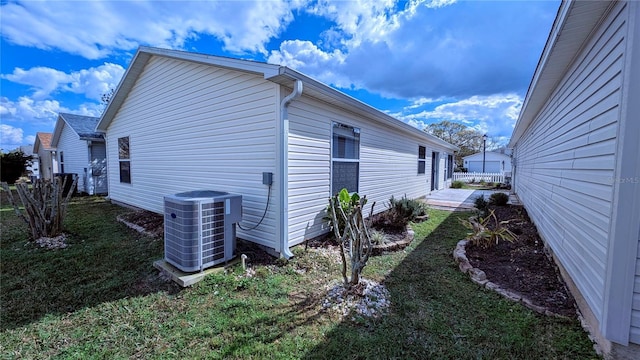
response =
{"points": [[284, 169]]}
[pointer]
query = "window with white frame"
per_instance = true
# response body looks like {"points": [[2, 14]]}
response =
{"points": [[124, 159], [345, 158], [422, 159]]}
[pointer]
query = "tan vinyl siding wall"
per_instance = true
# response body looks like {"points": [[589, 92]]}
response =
{"points": [[565, 160], [388, 164], [191, 127], [76, 155]]}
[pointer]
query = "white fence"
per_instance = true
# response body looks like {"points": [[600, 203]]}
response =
{"points": [[478, 177]]}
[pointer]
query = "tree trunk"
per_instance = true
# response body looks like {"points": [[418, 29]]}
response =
{"points": [[44, 205]]}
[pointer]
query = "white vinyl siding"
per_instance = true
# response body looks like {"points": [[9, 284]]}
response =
{"points": [[629, 182], [76, 155], [47, 164], [388, 161], [566, 160], [634, 335], [198, 127]]}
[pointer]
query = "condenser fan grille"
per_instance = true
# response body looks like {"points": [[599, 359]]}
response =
{"points": [[212, 232]]}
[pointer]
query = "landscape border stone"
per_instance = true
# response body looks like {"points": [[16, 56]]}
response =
{"points": [[396, 245], [479, 277], [135, 227]]}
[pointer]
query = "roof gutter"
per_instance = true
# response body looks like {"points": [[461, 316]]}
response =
{"points": [[369, 111], [284, 169]]}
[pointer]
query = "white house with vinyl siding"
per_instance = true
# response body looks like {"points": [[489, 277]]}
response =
{"points": [[198, 122], [47, 164], [576, 159], [493, 162], [80, 150]]}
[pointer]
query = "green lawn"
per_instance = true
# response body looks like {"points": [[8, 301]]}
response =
{"points": [[102, 298]]}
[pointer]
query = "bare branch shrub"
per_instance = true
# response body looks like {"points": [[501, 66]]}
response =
{"points": [[45, 204]]}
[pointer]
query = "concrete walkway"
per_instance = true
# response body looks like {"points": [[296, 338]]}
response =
{"points": [[461, 199]]}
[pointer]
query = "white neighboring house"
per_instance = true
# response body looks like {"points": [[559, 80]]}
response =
{"points": [[47, 163], [33, 166], [81, 150], [182, 121], [494, 162], [577, 163]]}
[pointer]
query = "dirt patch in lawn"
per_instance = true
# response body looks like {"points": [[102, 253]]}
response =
{"points": [[523, 266], [144, 221]]}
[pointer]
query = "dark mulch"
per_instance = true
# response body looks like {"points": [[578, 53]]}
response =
{"points": [[256, 255], [150, 221], [523, 266], [154, 224]]}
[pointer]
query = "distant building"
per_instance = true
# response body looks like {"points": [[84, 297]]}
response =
{"points": [[494, 162], [33, 166], [47, 163]]}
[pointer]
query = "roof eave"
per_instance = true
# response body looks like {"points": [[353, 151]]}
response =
{"points": [[57, 131], [286, 73], [145, 53], [124, 86], [552, 56]]}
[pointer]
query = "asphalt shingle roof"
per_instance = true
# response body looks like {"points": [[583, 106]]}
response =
{"points": [[84, 126]]}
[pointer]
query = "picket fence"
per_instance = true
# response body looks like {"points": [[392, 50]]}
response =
{"points": [[468, 177]]}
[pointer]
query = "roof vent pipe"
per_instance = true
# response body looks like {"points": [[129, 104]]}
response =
{"points": [[284, 170]]}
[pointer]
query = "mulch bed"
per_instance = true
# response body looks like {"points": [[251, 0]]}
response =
{"points": [[523, 266], [152, 223]]}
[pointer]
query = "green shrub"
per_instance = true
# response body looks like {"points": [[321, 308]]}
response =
{"points": [[481, 204], [378, 237], [457, 184], [499, 199], [484, 236], [346, 204], [408, 209], [402, 211]]}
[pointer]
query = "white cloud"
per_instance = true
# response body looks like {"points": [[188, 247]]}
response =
{"points": [[363, 19], [10, 137], [95, 29], [429, 49], [495, 114], [298, 54], [439, 3], [27, 116], [92, 82], [370, 21], [30, 110], [416, 103], [43, 80]]}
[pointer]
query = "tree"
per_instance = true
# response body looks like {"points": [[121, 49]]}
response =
{"points": [[467, 139], [352, 233], [45, 204], [105, 98], [13, 165]]}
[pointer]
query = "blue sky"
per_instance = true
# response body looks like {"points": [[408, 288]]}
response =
{"points": [[421, 61]]}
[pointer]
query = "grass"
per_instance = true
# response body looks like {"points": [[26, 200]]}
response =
{"points": [[476, 186], [101, 298]]}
